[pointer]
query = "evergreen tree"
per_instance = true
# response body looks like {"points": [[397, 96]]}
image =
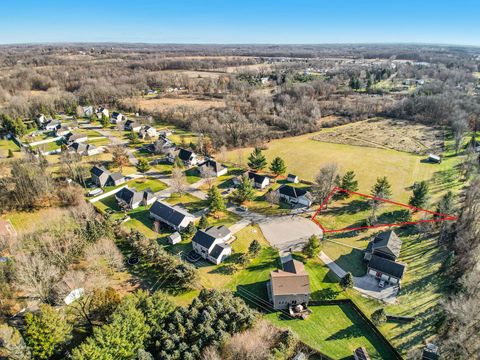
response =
{"points": [[381, 189], [133, 137], [379, 316], [312, 247], [346, 282], [203, 223], [143, 165], [419, 197], [46, 332], [278, 166], [14, 125], [190, 230], [215, 200], [256, 160], [244, 191], [348, 182], [105, 121], [254, 248], [10, 153]]}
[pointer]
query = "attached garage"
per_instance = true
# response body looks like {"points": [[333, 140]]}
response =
{"points": [[385, 269]]}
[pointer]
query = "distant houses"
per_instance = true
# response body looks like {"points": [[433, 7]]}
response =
{"points": [[75, 137], [289, 286], [117, 117], [129, 199], [176, 218], [131, 125], [147, 131], [102, 177], [295, 196], [102, 112], [211, 245], [381, 255]]}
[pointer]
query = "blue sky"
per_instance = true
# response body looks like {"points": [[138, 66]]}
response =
{"points": [[247, 21]]}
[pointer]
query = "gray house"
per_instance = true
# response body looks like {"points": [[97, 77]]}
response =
{"points": [[174, 217], [289, 286], [131, 199], [381, 255], [102, 177], [295, 196], [214, 167], [210, 243]]}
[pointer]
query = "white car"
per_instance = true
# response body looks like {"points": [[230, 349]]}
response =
{"points": [[381, 284]]}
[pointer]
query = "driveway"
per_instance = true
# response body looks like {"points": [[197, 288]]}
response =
{"points": [[288, 232], [366, 284]]}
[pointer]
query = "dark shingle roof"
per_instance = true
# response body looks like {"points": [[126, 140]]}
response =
{"points": [[388, 240], [293, 266], [216, 166], [217, 250], [207, 237], [292, 191], [99, 170], [387, 266], [129, 195], [169, 213], [185, 155], [116, 176], [257, 178]]}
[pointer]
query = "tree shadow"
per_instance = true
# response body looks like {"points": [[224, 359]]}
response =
{"points": [[325, 294]]}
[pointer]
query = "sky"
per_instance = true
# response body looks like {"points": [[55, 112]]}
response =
{"points": [[241, 21]]}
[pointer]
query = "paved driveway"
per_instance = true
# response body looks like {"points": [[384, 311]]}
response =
{"points": [[287, 232]]}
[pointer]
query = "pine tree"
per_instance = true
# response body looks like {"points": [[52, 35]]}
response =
{"points": [[105, 121], [215, 200], [256, 160], [347, 281], [419, 197], [203, 223], [244, 191], [133, 137], [381, 189], [312, 247], [348, 182], [278, 166], [143, 165], [254, 248], [46, 332]]}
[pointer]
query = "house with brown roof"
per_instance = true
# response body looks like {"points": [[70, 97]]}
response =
{"points": [[289, 285]]}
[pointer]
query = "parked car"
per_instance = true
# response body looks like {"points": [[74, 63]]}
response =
{"points": [[381, 284], [242, 208], [95, 192]]}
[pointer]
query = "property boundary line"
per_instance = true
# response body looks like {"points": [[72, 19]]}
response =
{"points": [[442, 217]]}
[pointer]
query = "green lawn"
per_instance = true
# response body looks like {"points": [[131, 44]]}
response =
{"points": [[153, 184], [192, 175], [335, 330], [190, 202]]}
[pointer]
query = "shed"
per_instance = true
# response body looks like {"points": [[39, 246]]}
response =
{"points": [[175, 238]]}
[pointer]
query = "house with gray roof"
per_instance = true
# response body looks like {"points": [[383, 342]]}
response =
{"points": [[214, 167], [381, 255], [173, 216], [295, 196], [75, 137], [188, 157], [130, 199], [83, 149], [210, 243], [102, 177]]}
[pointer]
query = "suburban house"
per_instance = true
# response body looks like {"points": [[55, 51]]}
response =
{"points": [[258, 181], [117, 117], [87, 111], [63, 130], [83, 149], [149, 131], [188, 157], [42, 119], [130, 199], [292, 178], [214, 167], [131, 125], [102, 112], [52, 125], [211, 243], [175, 238], [361, 354], [289, 286], [381, 254], [174, 217], [102, 177], [295, 196], [71, 138]]}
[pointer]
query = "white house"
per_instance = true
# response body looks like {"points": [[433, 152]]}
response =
{"points": [[52, 125], [188, 157], [214, 167], [102, 112], [211, 243], [174, 217], [131, 125], [258, 181], [149, 131], [131, 199], [117, 117], [295, 196], [83, 149]]}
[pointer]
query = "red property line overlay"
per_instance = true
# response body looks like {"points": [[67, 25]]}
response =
{"points": [[444, 217]]}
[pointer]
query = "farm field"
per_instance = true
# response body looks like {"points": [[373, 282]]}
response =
{"points": [[304, 157]]}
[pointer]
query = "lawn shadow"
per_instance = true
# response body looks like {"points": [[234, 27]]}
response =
{"points": [[325, 294], [352, 262]]}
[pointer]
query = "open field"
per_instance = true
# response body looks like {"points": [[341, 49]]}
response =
{"points": [[6, 145], [401, 135], [159, 104], [305, 156]]}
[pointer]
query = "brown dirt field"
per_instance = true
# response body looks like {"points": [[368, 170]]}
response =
{"points": [[400, 135], [170, 102]]}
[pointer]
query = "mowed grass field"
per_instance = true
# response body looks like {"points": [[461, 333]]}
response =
{"points": [[304, 157]]}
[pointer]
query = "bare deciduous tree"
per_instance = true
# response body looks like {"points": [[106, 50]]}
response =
{"points": [[178, 181]]}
